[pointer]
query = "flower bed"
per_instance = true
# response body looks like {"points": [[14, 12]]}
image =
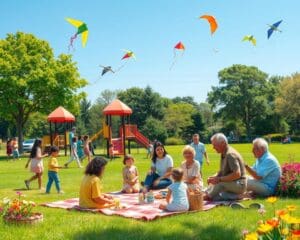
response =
{"points": [[19, 211], [289, 184]]}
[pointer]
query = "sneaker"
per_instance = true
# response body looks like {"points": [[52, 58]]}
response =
{"points": [[66, 165], [27, 184], [61, 192]]}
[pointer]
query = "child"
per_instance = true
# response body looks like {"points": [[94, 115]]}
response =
{"points": [[80, 152], [90, 195], [86, 147], [179, 192], [130, 176], [36, 166], [15, 147], [8, 149], [74, 155], [53, 170]]}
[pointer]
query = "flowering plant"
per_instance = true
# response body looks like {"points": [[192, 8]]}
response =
{"points": [[283, 226], [289, 183], [16, 208]]}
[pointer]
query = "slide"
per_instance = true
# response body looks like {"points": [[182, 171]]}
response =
{"points": [[96, 135], [133, 133], [141, 139]]}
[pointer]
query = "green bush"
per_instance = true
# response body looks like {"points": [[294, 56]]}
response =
{"points": [[174, 141]]}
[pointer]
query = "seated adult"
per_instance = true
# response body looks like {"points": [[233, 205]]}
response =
{"points": [[230, 182], [90, 195], [265, 172], [161, 168], [191, 169]]}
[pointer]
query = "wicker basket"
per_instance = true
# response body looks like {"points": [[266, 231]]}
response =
{"points": [[35, 218], [195, 201]]}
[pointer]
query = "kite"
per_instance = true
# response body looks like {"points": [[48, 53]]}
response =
{"points": [[212, 22], [178, 47], [273, 27], [81, 29], [250, 38], [106, 69], [128, 54]]}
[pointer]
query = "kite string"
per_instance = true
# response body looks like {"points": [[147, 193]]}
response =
{"points": [[72, 39]]}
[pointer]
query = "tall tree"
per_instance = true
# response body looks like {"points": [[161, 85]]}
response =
{"points": [[242, 95], [288, 102], [144, 103], [33, 80]]}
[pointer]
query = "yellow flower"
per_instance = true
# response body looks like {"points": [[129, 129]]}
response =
{"points": [[264, 228], [271, 199], [285, 231], [291, 208], [251, 236]]}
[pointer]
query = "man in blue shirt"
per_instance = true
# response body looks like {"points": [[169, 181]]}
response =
{"points": [[200, 150], [266, 171]]}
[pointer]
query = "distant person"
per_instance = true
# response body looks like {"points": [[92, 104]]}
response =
{"points": [[91, 148], [130, 176], [15, 148], [177, 196], [265, 172], [53, 169], [230, 182], [149, 150], [74, 155], [36, 163], [86, 147], [71, 136], [80, 151], [9, 149], [159, 176], [200, 150], [111, 151], [90, 195]]}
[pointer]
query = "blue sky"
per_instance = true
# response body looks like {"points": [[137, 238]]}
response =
{"points": [[151, 28]]}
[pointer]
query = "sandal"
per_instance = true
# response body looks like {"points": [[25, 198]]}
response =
{"points": [[256, 206], [237, 205]]}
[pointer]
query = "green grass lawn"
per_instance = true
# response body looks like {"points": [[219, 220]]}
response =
{"points": [[218, 223]]}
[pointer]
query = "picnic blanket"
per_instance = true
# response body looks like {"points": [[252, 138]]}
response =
{"points": [[130, 207]]}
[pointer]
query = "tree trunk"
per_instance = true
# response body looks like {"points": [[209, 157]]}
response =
{"points": [[20, 124]]}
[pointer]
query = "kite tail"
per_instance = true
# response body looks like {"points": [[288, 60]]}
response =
{"points": [[174, 60], [72, 39]]}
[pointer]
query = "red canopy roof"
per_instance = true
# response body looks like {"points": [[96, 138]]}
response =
{"points": [[117, 107], [61, 115]]}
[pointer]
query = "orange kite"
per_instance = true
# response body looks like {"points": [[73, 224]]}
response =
{"points": [[212, 22]]}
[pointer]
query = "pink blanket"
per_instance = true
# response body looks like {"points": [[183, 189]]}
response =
{"points": [[130, 208]]}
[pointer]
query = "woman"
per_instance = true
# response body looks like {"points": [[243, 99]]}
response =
{"points": [[90, 195], [36, 163], [159, 175], [191, 169]]}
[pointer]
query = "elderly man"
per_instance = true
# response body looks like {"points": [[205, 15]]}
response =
{"points": [[266, 170], [230, 182]]}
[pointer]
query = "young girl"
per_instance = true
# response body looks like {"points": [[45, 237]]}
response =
{"points": [[80, 152], [86, 147], [179, 193], [90, 195], [53, 170], [130, 176], [74, 155], [36, 165]]}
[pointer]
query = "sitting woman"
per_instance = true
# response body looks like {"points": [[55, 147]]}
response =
{"points": [[191, 169], [159, 175], [90, 195]]}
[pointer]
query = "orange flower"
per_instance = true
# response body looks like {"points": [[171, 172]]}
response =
{"points": [[274, 222], [281, 212]]}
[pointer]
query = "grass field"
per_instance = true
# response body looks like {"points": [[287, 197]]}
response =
{"points": [[218, 223]]}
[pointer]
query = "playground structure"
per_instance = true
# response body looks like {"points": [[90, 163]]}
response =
{"points": [[127, 131], [63, 120]]}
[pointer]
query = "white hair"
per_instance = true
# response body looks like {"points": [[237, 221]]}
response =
{"points": [[219, 138], [189, 148], [261, 143]]}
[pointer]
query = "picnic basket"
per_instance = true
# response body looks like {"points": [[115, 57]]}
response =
{"points": [[195, 200]]}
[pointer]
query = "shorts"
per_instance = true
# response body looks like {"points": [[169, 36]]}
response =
{"points": [[175, 207]]}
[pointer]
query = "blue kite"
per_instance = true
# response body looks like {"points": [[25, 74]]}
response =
{"points": [[273, 27]]}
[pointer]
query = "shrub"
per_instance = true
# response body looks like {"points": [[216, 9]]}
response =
{"points": [[174, 141]]}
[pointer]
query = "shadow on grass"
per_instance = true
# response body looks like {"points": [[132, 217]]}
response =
{"points": [[188, 231]]}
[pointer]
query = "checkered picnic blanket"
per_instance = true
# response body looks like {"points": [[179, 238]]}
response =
{"points": [[130, 207]]}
